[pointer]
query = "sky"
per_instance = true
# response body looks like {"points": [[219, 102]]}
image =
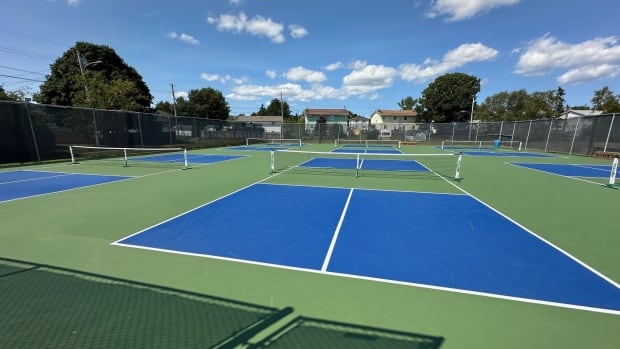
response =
{"points": [[358, 55]]}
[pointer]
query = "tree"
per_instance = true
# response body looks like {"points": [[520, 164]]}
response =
{"points": [[204, 103], [605, 101], [519, 105], [449, 98], [275, 108], [408, 103], [17, 95], [111, 83]]}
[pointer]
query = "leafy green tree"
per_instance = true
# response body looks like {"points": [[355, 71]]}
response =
{"points": [[275, 108], [17, 95], [605, 100], [111, 83], [449, 98], [408, 103], [519, 105], [204, 103]]}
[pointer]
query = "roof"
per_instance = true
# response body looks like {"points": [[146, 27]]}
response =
{"points": [[326, 111], [260, 118], [574, 113], [398, 112]]}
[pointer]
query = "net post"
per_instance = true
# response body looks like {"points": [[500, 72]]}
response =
{"points": [[72, 157], [247, 141], [442, 144], [398, 144], [185, 158], [335, 143], [614, 169], [457, 175], [273, 161], [520, 145], [300, 143], [357, 166], [125, 154]]}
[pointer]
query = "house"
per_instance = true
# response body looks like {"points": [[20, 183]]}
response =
{"points": [[272, 124], [393, 119], [575, 113], [328, 116]]}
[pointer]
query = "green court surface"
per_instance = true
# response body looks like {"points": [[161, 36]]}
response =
{"points": [[71, 287]]}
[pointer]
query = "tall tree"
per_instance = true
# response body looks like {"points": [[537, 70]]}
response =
{"points": [[275, 107], [605, 100], [110, 82], [204, 103], [519, 105], [408, 103], [17, 95], [449, 98]]}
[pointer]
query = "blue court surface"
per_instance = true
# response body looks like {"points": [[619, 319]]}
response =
{"points": [[571, 170], [444, 241], [191, 158], [506, 153], [26, 183]]}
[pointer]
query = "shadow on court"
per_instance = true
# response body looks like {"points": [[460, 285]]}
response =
{"points": [[49, 307]]}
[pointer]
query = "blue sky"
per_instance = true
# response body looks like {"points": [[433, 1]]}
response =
{"points": [[361, 56]]}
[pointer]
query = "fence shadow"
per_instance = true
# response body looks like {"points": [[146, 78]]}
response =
{"points": [[43, 306]]}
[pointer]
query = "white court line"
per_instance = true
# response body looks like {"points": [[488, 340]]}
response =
{"points": [[328, 256]]}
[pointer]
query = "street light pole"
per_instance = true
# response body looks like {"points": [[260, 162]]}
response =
{"points": [[82, 68]]}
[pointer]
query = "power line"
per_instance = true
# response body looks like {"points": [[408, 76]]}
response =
{"points": [[17, 77], [25, 53], [22, 70]]}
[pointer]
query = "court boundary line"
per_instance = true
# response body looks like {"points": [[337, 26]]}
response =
{"points": [[381, 280], [557, 174], [575, 259], [70, 189], [426, 286], [336, 233]]}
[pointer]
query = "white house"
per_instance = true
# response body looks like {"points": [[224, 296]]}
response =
{"points": [[575, 113], [272, 124], [393, 119]]}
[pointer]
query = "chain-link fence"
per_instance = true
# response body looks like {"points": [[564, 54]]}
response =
{"points": [[34, 132]]}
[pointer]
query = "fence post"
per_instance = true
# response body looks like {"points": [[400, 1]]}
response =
{"points": [[548, 135], [570, 152], [34, 137], [611, 125]]}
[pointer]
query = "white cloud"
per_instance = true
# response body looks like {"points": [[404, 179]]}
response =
{"points": [[457, 10], [235, 2], [223, 78], [369, 78], [297, 31], [73, 2], [303, 74], [589, 72], [183, 37], [334, 66], [270, 74], [585, 61], [456, 58], [257, 26]]}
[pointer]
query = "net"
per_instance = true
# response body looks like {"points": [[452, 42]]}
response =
{"points": [[129, 156], [445, 164], [453, 144], [296, 142], [367, 143]]}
